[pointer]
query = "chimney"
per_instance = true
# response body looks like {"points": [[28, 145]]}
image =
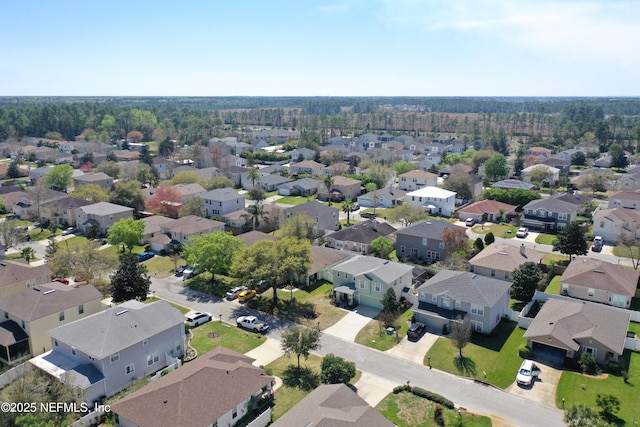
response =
{"points": [[522, 248], [374, 225]]}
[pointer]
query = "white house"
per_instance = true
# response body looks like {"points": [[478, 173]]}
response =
{"points": [[555, 173], [437, 201], [415, 179], [222, 201]]}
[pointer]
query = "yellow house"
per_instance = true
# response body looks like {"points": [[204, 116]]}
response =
{"points": [[16, 276], [27, 316]]}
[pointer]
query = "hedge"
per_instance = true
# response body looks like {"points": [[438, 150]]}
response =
{"points": [[420, 392]]}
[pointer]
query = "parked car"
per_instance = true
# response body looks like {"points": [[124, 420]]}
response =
{"points": [[252, 323], [101, 241], [145, 256], [355, 207], [60, 280], [197, 318], [180, 270], [67, 231], [234, 292], [527, 373], [597, 244], [246, 295], [522, 232], [12, 216], [470, 222], [416, 330], [190, 272], [368, 215]]}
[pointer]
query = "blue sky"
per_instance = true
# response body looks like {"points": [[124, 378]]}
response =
{"points": [[320, 48]]}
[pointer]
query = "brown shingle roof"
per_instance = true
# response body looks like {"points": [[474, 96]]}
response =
{"points": [[483, 206], [364, 232], [12, 272], [254, 236], [417, 173], [501, 256], [596, 274], [323, 257], [626, 195], [191, 224]]}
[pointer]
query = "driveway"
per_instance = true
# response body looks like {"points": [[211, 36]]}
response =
{"points": [[266, 352], [543, 390], [373, 388], [348, 327], [413, 351]]}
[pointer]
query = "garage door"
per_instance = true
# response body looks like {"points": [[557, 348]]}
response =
{"points": [[550, 354]]}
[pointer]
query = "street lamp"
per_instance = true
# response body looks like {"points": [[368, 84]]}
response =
{"points": [[429, 360], [220, 316], [563, 403]]}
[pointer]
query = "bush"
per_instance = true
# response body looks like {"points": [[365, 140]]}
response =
{"points": [[588, 364], [401, 388], [337, 370], [525, 352], [438, 416], [434, 397], [489, 238], [445, 329], [613, 368]]}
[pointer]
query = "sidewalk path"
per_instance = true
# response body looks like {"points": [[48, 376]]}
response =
{"points": [[413, 351], [373, 388], [348, 327], [266, 352]]}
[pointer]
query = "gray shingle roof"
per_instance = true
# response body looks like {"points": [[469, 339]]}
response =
{"points": [[597, 274], [467, 287], [501, 256], [431, 229], [221, 194], [313, 209], [553, 205], [364, 232], [104, 208], [383, 269]]}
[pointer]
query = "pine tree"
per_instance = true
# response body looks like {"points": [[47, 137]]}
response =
{"points": [[571, 241], [130, 281]]}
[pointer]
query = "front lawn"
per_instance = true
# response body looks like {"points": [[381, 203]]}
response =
{"points": [[161, 266], [294, 200], [506, 231], [212, 334], [375, 336], [557, 258], [496, 355], [183, 310], [408, 410], [577, 388], [622, 251], [40, 234], [554, 286], [546, 239]]}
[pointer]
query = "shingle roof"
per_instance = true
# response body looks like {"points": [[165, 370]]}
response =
{"points": [[467, 287], [565, 321], [93, 177], [483, 206], [383, 269], [119, 327], [438, 193], [104, 208], [67, 203], [313, 209], [575, 198], [596, 274], [343, 181], [221, 194], [417, 173], [364, 232], [152, 223], [191, 224], [509, 184], [12, 272], [501, 256], [254, 236], [626, 195], [388, 192], [322, 257], [431, 229], [552, 205]]}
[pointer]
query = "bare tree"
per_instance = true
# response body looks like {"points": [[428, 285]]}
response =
{"points": [[630, 241], [460, 333]]}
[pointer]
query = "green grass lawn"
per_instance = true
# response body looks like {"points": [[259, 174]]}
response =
{"points": [[497, 355], [375, 336], [294, 200], [506, 231], [39, 234], [118, 249], [408, 410], [554, 286], [380, 212], [161, 266], [555, 258], [622, 251], [546, 239], [577, 388], [635, 328], [183, 310], [210, 335]]}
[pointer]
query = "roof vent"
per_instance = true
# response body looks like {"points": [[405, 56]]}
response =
{"points": [[502, 253], [35, 288], [598, 271], [121, 312], [473, 277], [50, 291]]}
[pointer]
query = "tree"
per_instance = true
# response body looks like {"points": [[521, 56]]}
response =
{"points": [[630, 241], [28, 254], [185, 177], [518, 197], [10, 234], [481, 156], [300, 340], [254, 176], [582, 415], [256, 214], [82, 259], [571, 241], [454, 238], [595, 182], [110, 168], [405, 214], [13, 171], [539, 175], [336, 370], [128, 194], [390, 303], [91, 192], [213, 252], [257, 194], [460, 183], [618, 159], [300, 226], [127, 232], [525, 281], [327, 180], [135, 136], [460, 333], [478, 244], [382, 247], [403, 167], [489, 238], [347, 207], [217, 182], [192, 206], [578, 158], [608, 404], [165, 148], [130, 280], [380, 174], [165, 201], [59, 177], [496, 167]]}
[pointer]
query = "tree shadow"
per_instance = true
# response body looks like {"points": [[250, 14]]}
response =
{"points": [[613, 419], [465, 365], [497, 338], [303, 378]]}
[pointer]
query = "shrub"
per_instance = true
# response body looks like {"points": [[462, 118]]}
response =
{"points": [[438, 416], [401, 388], [434, 397], [614, 368], [445, 329], [525, 352], [588, 364]]}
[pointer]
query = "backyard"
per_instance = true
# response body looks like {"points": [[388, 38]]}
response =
{"points": [[294, 200]]}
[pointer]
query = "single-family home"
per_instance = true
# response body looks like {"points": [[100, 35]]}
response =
{"points": [[365, 279], [417, 178], [563, 165], [569, 328], [434, 200], [302, 153], [486, 210], [386, 197], [178, 231], [186, 396], [629, 181], [279, 136], [549, 214], [235, 173], [30, 314], [499, 260], [307, 166], [239, 221], [539, 151], [603, 162], [612, 224], [188, 191], [349, 188], [302, 187], [17, 276], [102, 214], [457, 168], [28, 205], [323, 258], [37, 174], [126, 155], [326, 217], [221, 201], [554, 174], [268, 182], [62, 211], [599, 281], [163, 166], [98, 178], [358, 237], [625, 199], [423, 240], [332, 405], [102, 354], [452, 294], [254, 236], [512, 184], [152, 227]]}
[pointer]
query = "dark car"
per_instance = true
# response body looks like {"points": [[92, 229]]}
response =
{"points": [[145, 256], [416, 330], [180, 270], [597, 244], [368, 215]]}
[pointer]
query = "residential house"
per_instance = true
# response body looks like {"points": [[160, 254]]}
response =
{"points": [[185, 396], [539, 151], [486, 210], [103, 353], [99, 178], [303, 187], [499, 260], [237, 221], [62, 211], [600, 281], [450, 295], [575, 197], [512, 184], [308, 166], [235, 173], [180, 230], [365, 279], [268, 183], [126, 155], [423, 240], [563, 165], [279, 136], [37, 174], [603, 162], [102, 214], [570, 328], [17, 276], [629, 181], [386, 197], [625, 199], [326, 217], [221, 201], [332, 405], [549, 214], [30, 314], [153, 227], [612, 224], [457, 168], [416, 179], [302, 153], [252, 237], [434, 200], [163, 166], [188, 191], [554, 174], [33, 200], [358, 237], [323, 258], [349, 188]]}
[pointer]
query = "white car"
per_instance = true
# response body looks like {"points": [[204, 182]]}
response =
{"points": [[197, 318], [522, 232], [527, 372], [68, 231], [252, 323]]}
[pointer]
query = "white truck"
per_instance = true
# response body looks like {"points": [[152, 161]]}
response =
{"points": [[252, 323]]}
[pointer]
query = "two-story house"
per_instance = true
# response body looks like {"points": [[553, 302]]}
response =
{"points": [[386, 197], [348, 188], [358, 237], [417, 178], [549, 214], [308, 166], [30, 314], [424, 240], [512, 184], [99, 178], [178, 231], [452, 294], [554, 173], [222, 201], [326, 217], [63, 211], [434, 200], [499, 260], [103, 353], [625, 199], [612, 224], [102, 214], [365, 279], [17, 276]]}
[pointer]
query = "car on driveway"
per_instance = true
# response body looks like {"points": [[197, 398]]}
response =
{"points": [[60, 280], [597, 244], [234, 292], [180, 270], [527, 373], [416, 330], [368, 215], [470, 222], [522, 232], [197, 318], [145, 256], [252, 323], [246, 295], [68, 231]]}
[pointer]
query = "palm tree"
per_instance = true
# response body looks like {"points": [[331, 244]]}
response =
{"points": [[255, 214], [328, 182], [254, 176], [28, 254], [347, 207]]}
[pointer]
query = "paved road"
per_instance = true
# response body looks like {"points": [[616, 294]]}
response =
{"points": [[474, 396]]}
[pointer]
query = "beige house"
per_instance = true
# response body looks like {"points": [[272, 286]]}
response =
{"points": [[30, 314], [104, 214], [98, 178], [499, 260], [63, 211], [17, 276], [625, 199], [181, 229], [415, 179], [348, 187]]}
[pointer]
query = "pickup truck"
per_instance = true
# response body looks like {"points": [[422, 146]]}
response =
{"points": [[252, 323]]}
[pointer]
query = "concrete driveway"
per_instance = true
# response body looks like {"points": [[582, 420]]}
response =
{"points": [[543, 390], [373, 388], [266, 352], [349, 326], [413, 351]]}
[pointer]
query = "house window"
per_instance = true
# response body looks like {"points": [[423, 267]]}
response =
{"points": [[152, 358], [441, 245], [457, 304], [61, 316], [434, 298], [591, 350], [178, 345], [477, 310], [23, 325], [591, 292], [80, 309], [601, 224], [55, 343], [506, 275], [73, 351], [235, 413], [115, 357], [145, 342], [130, 368], [562, 216], [424, 241], [476, 326], [402, 249], [377, 287], [493, 273], [471, 268]]}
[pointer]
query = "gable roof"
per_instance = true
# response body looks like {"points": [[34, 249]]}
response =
{"points": [[92, 177], [626, 195], [564, 321], [104, 208], [252, 237], [431, 229], [510, 184], [322, 257], [187, 190], [621, 214], [313, 209], [221, 194], [458, 167], [344, 181], [12, 272], [333, 405], [552, 205], [467, 287], [436, 192], [417, 173], [191, 224], [67, 203], [593, 273], [388, 271], [501, 256], [152, 223], [119, 327], [364, 232], [308, 164], [483, 206], [188, 397], [575, 198], [388, 192]]}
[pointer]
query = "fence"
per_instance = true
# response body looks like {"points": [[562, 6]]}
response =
{"points": [[262, 420], [632, 344], [91, 419], [13, 374], [172, 367]]}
